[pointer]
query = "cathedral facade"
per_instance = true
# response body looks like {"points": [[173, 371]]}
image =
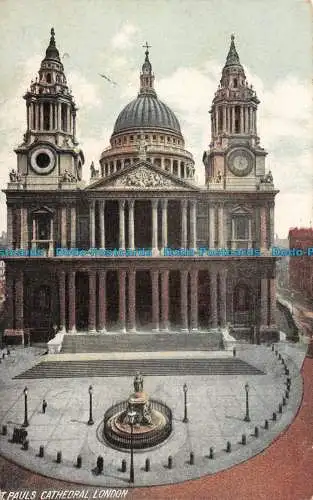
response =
{"points": [[140, 247]]}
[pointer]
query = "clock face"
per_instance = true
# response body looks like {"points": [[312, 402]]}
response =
{"points": [[42, 160], [240, 162]]}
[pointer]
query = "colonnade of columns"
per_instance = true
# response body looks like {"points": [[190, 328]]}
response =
{"points": [[174, 166], [155, 204], [127, 295], [58, 118], [224, 116]]}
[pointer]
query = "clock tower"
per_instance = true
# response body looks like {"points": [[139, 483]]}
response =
{"points": [[49, 157], [235, 159]]}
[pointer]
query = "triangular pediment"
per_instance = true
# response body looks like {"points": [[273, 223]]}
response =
{"points": [[240, 210], [141, 176]]}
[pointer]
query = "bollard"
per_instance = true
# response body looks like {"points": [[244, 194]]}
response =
{"points": [[286, 371], [211, 455], [256, 432], [266, 424], [274, 417], [280, 408], [276, 353], [41, 451], [228, 447], [243, 439], [234, 352], [59, 457], [100, 464], [279, 356], [4, 430], [147, 465], [44, 406], [287, 394], [79, 462], [192, 458], [25, 444], [284, 401], [170, 462], [288, 381], [124, 466], [273, 347], [282, 361]]}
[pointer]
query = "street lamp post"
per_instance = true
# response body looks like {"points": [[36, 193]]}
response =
{"points": [[26, 423], [247, 416], [185, 389], [131, 417], [90, 421]]}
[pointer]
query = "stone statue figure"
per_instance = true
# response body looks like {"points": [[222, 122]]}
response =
{"points": [[269, 178], [93, 171], [138, 382], [12, 175]]}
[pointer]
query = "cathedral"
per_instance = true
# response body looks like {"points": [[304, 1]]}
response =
{"points": [[140, 247]]}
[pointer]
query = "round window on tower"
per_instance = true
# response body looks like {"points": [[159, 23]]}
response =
{"points": [[42, 160]]}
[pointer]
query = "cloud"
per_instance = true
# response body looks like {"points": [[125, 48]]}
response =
{"points": [[85, 93], [123, 39]]}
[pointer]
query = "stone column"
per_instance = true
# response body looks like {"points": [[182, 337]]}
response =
{"points": [[34, 235], [132, 300], [223, 296], [184, 300], [23, 228], [271, 221], [51, 242], [102, 301], [224, 119], [74, 127], [28, 116], [131, 224], [10, 226], [193, 224], [228, 120], [221, 242], [50, 116], [92, 225], [62, 301], [68, 119], [92, 302], [216, 120], [155, 300], [212, 226], [41, 116], [233, 119], [155, 248], [164, 224], [272, 284], [122, 299], [194, 299], [9, 286], [264, 302], [263, 229], [37, 116], [63, 227], [241, 120], [122, 224], [19, 300], [165, 300], [213, 297], [73, 227], [184, 204], [102, 223], [246, 120], [72, 302]]}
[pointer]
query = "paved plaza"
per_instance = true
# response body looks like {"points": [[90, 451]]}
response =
{"points": [[216, 409]]}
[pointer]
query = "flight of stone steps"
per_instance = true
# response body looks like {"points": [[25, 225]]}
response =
{"points": [[148, 367], [142, 342]]}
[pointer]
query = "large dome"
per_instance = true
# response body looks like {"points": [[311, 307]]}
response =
{"points": [[147, 111]]}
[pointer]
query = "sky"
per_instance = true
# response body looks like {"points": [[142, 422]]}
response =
{"points": [[189, 42]]}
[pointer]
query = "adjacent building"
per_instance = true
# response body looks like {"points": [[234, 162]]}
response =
{"points": [[141, 247], [301, 266]]}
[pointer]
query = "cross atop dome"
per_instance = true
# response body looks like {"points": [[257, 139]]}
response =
{"points": [[232, 57], [52, 52]]}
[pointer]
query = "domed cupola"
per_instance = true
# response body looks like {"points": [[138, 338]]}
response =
{"points": [[146, 111], [147, 129]]}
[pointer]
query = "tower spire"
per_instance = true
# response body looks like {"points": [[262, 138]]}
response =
{"points": [[232, 56], [146, 76], [52, 52]]}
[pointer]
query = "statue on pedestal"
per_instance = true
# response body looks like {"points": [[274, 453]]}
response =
{"points": [[138, 382]]}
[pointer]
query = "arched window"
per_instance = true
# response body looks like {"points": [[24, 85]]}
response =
{"points": [[48, 78]]}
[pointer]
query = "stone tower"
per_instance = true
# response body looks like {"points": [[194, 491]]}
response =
{"points": [[49, 153], [235, 159]]}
